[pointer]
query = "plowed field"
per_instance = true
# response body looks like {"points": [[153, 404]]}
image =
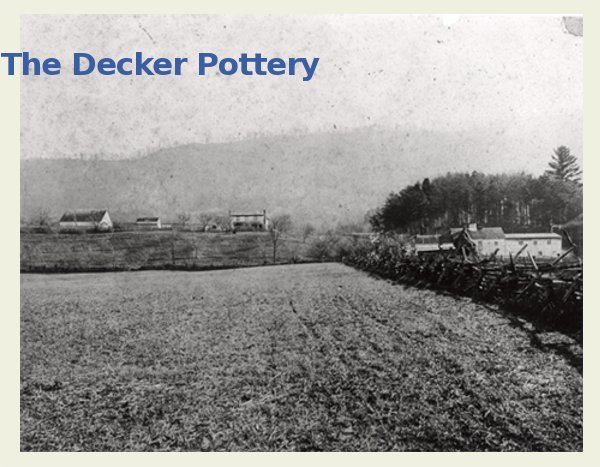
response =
{"points": [[302, 357]]}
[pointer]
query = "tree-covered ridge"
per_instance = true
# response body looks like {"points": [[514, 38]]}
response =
{"points": [[516, 202]]}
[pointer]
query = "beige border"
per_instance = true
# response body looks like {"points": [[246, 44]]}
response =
{"points": [[9, 184]]}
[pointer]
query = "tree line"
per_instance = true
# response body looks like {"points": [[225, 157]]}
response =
{"points": [[516, 202]]}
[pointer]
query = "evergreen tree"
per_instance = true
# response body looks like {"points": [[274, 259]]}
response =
{"points": [[516, 202], [564, 166]]}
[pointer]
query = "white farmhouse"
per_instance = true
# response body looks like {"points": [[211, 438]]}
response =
{"points": [[255, 221]]}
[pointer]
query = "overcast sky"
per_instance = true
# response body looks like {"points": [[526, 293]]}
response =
{"points": [[513, 74]]}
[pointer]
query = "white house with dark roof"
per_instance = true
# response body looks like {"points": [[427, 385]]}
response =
{"points": [[86, 220], [488, 240]]}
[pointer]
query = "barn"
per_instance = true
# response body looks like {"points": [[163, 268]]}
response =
{"points": [[539, 245], [86, 220]]}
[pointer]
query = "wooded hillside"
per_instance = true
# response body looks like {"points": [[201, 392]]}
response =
{"points": [[517, 202]]}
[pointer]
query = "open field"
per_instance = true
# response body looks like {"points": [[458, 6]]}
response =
{"points": [[300, 357], [152, 250]]}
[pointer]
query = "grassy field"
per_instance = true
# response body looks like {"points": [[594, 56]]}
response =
{"points": [[153, 250], [299, 357]]}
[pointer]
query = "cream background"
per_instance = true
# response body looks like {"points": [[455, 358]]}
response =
{"points": [[9, 184]]}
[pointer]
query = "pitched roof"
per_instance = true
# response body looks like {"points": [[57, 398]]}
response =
{"points": [[256, 214], [83, 216], [533, 236], [147, 219], [487, 233]]}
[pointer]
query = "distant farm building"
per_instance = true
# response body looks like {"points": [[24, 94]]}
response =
{"points": [[86, 220], [430, 243], [484, 241], [540, 245], [489, 240], [213, 226], [249, 222], [148, 223]]}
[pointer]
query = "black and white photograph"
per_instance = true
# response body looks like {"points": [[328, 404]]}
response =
{"points": [[283, 233]]}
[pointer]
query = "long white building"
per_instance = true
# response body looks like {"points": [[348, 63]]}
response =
{"points": [[542, 245], [539, 245]]}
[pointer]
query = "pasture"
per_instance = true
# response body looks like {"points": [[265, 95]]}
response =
{"points": [[285, 358], [159, 249]]}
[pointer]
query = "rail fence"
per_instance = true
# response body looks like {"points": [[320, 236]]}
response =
{"points": [[130, 251], [549, 292]]}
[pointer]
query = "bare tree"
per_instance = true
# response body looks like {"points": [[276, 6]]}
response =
{"points": [[41, 218], [307, 231], [40, 221], [203, 219], [222, 220], [183, 219], [279, 225], [217, 221]]}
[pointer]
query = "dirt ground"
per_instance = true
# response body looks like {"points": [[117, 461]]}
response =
{"points": [[299, 357]]}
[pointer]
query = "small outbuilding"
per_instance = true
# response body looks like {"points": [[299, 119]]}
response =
{"points": [[148, 222], [430, 244], [86, 220], [213, 226]]}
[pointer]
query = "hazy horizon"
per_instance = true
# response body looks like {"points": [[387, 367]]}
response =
{"points": [[395, 99], [519, 77], [535, 164]]}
